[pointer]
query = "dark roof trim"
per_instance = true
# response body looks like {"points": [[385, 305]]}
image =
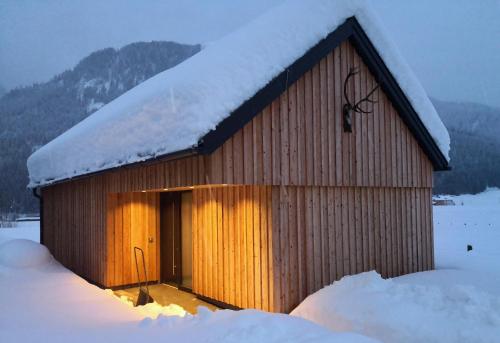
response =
{"points": [[351, 30]]}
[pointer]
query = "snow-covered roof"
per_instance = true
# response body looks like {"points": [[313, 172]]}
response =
{"points": [[174, 109]]}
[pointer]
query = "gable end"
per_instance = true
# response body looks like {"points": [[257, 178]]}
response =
{"points": [[349, 30]]}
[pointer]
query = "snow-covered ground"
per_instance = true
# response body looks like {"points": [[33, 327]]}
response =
{"points": [[42, 301], [458, 302]]}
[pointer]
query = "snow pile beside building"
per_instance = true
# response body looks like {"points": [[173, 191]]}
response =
{"points": [[171, 111], [23, 253], [395, 312], [49, 303]]}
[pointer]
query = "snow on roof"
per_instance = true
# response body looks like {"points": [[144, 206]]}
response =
{"points": [[174, 109]]}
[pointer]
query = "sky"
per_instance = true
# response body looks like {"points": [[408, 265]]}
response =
{"points": [[452, 45]]}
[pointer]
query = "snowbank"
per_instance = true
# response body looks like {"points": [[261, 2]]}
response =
{"points": [[23, 253], [49, 303], [174, 109], [394, 312]]}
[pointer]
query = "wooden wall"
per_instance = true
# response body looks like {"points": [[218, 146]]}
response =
{"points": [[299, 138], [232, 255], [74, 226], [323, 233], [132, 218]]}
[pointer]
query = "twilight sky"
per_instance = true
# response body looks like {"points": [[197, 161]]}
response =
{"points": [[452, 45]]}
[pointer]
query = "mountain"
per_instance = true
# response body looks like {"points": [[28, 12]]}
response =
{"points": [[2, 91], [475, 148], [32, 116]]}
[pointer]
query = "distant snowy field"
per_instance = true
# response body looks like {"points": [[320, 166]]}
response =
{"points": [[459, 302]]}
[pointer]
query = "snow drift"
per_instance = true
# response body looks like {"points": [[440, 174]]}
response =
{"points": [[398, 312], [174, 109], [23, 253], [47, 302]]}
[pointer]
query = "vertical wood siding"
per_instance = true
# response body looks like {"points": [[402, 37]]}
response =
{"points": [[132, 219], [312, 250], [299, 138], [232, 245], [74, 222]]}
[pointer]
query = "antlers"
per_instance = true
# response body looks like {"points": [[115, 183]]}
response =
{"points": [[348, 107]]}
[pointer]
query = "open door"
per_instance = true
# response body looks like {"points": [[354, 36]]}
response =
{"points": [[175, 239]]}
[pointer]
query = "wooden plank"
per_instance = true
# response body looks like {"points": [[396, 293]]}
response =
{"points": [[249, 221], [221, 237], [301, 132], [238, 261], [345, 232], [339, 254], [267, 146], [284, 247], [238, 157], [420, 239], [317, 245], [231, 259], [195, 249], [331, 119], [395, 233], [248, 153], [301, 243], [263, 248], [366, 234], [423, 225], [285, 136], [276, 251], [325, 240], [338, 70], [256, 246], [226, 244], [271, 248], [293, 134], [358, 229], [403, 228], [382, 228], [122, 222], [276, 141], [309, 128], [371, 226], [357, 120], [243, 248], [228, 166], [309, 239], [325, 166], [389, 232], [316, 124], [404, 156], [258, 159], [293, 248], [331, 234], [370, 128]]}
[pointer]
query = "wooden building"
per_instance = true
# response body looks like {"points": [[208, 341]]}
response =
{"points": [[277, 201]]}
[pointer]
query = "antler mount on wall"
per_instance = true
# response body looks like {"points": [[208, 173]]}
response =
{"points": [[349, 107]]}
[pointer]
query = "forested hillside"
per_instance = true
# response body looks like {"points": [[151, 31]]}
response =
{"points": [[32, 116], [475, 148]]}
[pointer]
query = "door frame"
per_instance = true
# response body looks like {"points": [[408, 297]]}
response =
{"points": [[171, 199]]}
